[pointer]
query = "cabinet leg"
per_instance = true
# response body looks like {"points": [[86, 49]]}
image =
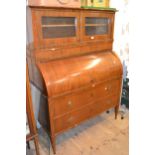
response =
{"points": [[107, 111], [36, 145], [116, 111], [53, 144]]}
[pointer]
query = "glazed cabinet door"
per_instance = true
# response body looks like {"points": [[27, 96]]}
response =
{"points": [[54, 28], [97, 26]]}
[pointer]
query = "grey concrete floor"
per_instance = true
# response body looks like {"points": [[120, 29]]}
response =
{"points": [[102, 135]]}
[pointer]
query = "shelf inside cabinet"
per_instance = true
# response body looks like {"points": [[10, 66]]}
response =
{"points": [[58, 25], [96, 25]]}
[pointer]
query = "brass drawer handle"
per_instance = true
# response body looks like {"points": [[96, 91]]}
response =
{"points": [[70, 103], [107, 88], [93, 83]]}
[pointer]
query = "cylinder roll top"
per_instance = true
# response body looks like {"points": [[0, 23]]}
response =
{"points": [[69, 74]]}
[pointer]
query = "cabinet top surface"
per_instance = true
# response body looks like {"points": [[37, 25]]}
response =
{"points": [[83, 9]]}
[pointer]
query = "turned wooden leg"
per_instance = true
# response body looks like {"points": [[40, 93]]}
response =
{"points": [[116, 111], [36, 145], [53, 144]]}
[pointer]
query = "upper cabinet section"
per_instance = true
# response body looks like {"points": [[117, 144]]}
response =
{"points": [[97, 26], [54, 28]]}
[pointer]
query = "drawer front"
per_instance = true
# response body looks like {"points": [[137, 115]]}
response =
{"points": [[71, 119], [56, 52], [106, 89], [104, 104], [50, 54], [70, 102]]}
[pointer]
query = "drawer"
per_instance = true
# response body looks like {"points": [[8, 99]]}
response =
{"points": [[104, 104], [68, 103], [46, 55], [106, 89], [96, 46], [71, 119], [56, 52]]}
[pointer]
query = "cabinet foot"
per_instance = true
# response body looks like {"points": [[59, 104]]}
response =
{"points": [[116, 111], [107, 111], [53, 144]]}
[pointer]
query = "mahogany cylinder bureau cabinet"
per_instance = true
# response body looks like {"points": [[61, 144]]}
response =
{"points": [[70, 58]]}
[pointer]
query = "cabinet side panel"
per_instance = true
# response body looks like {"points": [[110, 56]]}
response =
{"points": [[29, 62], [43, 115], [38, 80], [29, 31]]}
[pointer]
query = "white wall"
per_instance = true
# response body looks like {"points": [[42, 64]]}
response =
{"points": [[121, 31]]}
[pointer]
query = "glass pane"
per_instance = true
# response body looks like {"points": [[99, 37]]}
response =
{"points": [[96, 30], [58, 27], [57, 20], [96, 25], [96, 20], [58, 32]]}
